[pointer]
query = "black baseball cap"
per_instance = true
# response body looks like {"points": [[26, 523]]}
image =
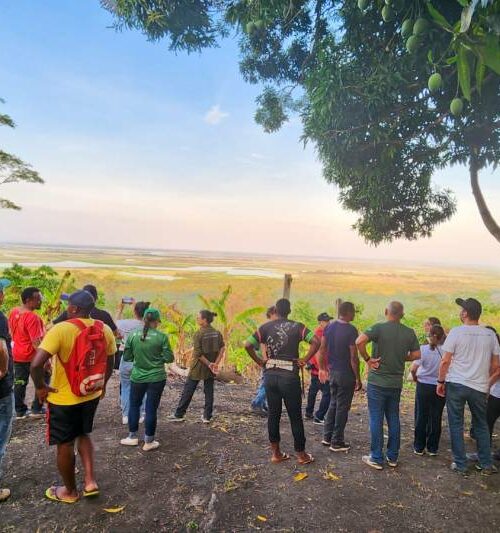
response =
{"points": [[324, 317], [471, 305], [82, 299]]}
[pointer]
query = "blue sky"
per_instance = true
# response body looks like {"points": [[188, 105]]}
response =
{"points": [[141, 147]]}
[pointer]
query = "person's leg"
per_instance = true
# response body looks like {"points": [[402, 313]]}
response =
{"points": [[66, 467], [345, 395], [153, 397], [6, 417], [376, 402], [292, 395], [275, 406], [393, 424], [208, 389], [137, 392], [86, 452], [422, 410], [21, 376], [435, 420], [455, 404], [311, 396], [477, 404], [492, 412], [325, 401], [330, 414], [125, 371], [186, 397]]}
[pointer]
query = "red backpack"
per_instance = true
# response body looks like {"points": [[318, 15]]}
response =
{"points": [[86, 366]]}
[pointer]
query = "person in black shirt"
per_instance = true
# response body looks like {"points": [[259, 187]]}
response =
{"points": [[281, 339], [6, 386], [96, 313]]}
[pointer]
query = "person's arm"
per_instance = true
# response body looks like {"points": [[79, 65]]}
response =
{"points": [[361, 344], [167, 352], [494, 370], [443, 371], [38, 374], [4, 358], [128, 352], [413, 356], [355, 366], [34, 329], [251, 345], [314, 344], [322, 361], [413, 370]]}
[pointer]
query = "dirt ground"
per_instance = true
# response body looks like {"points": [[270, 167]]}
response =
{"points": [[219, 478]]}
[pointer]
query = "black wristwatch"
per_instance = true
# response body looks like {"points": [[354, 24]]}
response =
{"points": [[440, 382]]}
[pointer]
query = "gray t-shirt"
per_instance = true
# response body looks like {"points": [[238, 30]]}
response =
{"points": [[126, 326], [472, 348], [428, 364]]}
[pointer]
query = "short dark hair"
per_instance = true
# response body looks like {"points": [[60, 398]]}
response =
{"points": [[346, 308], [438, 331], [283, 307], [433, 321], [140, 307], [208, 315], [28, 293], [92, 289], [271, 311]]}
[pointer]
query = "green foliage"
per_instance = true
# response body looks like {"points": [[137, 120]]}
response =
{"points": [[13, 169]]}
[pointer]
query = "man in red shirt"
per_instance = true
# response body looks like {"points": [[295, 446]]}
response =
{"points": [[316, 385], [27, 330]]}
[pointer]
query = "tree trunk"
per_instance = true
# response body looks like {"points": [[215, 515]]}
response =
{"points": [[485, 213]]}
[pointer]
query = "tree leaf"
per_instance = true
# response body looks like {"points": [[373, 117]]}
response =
{"points": [[491, 55], [466, 16], [330, 476], [464, 72], [480, 70], [438, 18], [114, 509], [300, 476]]}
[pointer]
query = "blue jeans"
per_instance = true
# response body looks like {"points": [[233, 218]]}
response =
{"points": [[384, 402], [457, 396], [260, 401], [125, 371], [137, 393], [314, 388], [6, 418]]}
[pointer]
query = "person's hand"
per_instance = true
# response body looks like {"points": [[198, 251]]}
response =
{"points": [[3, 373], [358, 386], [324, 376], [373, 363], [441, 390], [42, 393], [213, 368], [301, 363]]}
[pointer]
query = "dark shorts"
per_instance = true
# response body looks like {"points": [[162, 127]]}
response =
{"points": [[67, 422]]}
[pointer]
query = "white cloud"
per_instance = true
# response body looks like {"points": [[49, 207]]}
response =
{"points": [[215, 115]]}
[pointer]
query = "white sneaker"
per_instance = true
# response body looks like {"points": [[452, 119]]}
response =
{"points": [[173, 418], [124, 420], [206, 420], [129, 441], [141, 420], [148, 446]]}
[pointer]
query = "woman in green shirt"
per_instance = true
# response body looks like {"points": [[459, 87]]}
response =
{"points": [[208, 348], [149, 349]]}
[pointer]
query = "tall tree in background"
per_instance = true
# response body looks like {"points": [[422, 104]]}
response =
{"points": [[388, 91], [13, 169]]}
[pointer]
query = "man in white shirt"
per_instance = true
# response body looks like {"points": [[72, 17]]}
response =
{"points": [[471, 357]]}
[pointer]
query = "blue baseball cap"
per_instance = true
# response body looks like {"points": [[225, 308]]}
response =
{"points": [[82, 299], [4, 283]]}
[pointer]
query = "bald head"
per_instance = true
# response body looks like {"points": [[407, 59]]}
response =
{"points": [[395, 311]]}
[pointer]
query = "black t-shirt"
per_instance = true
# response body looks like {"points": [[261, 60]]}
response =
{"points": [[282, 338], [96, 314], [7, 382]]}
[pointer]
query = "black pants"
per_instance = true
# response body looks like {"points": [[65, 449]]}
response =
{"points": [[284, 386], [22, 375], [342, 387], [187, 396], [429, 410], [314, 388], [492, 412]]}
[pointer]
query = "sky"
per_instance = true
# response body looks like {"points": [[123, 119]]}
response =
{"points": [[140, 147]]}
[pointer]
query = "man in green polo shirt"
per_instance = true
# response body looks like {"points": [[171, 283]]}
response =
{"points": [[393, 345]]}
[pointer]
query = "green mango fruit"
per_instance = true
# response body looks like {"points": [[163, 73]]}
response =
{"points": [[456, 107], [420, 26], [407, 28], [363, 4], [387, 13], [435, 82], [412, 44]]}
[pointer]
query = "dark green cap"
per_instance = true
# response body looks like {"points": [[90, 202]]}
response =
{"points": [[154, 313]]}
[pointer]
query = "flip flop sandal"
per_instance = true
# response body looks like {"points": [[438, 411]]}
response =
{"points": [[310, 459], [283, 457], [51, 494], [92, 493]]}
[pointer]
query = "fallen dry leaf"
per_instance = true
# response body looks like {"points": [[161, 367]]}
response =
{"points": [[467, 493], [262, 518], [300, 476], [114, 509], [331, 476]]}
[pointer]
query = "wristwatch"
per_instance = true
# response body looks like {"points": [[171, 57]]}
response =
{"points": [[440, 382]]}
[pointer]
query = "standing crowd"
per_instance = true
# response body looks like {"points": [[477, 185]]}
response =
{"points": [[71, 360]]}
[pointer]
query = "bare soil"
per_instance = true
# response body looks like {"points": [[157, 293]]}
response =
{"points": [[219, 478]]}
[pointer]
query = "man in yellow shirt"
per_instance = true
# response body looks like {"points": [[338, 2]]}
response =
{"points": [[70, 417]]}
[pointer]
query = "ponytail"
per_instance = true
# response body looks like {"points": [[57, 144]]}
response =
{"points": [[148, 318], [208, 315]]}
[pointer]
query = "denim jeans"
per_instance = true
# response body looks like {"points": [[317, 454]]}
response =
{"points": [[342, 391], [429, 411], [457, 396], [21, 377], [284, 386], [153, 392], [187, 396], [314, 388], [125, 371], [6, 418], [384, 402], [260, 401]]}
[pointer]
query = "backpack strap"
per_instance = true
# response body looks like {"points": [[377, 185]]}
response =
{"points": [[78, 323]]}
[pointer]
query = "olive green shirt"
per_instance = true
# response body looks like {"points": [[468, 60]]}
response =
{"points": [[208, 342], [149, 355], [392, 341]]}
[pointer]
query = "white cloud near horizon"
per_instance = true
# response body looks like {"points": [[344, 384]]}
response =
{"points": [[215, 115]]}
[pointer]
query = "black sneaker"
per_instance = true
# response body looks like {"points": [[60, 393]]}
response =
{"points": [[463, 472], [487, 471], [318, 421], [308, 416], [342, 447]]}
